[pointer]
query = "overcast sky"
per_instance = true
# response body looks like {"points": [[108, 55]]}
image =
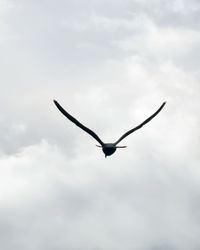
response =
{"points": [[111, 64]]}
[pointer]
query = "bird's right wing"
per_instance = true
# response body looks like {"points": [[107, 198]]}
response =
{"points": [[72, 119], [139, 126]]}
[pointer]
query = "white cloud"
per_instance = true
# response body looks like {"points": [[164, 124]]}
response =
{"points": [[87, 203], [162, 43], [6, 4], [110, 64], [185, 7]]}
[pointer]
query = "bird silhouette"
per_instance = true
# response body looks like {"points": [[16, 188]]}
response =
{"points": [[107, 148]]}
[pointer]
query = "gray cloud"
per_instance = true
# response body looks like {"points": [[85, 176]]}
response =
{"points": [[88, 204], [111, 64]]}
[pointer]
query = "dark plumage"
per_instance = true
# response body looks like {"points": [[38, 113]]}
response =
{"points": [[107, 148]]}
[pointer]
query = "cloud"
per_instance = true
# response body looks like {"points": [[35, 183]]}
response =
{"points": [[49, 200], [110, 64]]}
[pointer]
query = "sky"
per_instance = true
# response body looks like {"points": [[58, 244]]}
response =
{"points": [[110, 64]]}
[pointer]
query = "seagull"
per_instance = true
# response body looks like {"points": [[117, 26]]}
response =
{"points": [[107, 148]]}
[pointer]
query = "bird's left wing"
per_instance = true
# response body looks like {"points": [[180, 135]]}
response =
{"points": [[139, 126], [72, 119]]}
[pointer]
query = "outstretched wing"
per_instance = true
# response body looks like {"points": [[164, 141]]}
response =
{"points": [[139, 126], [72, 119]]}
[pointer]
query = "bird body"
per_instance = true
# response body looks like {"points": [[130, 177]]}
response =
{"points": [[107, 148]]}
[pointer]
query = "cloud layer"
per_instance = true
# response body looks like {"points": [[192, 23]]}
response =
{"points": [[111, 64]]}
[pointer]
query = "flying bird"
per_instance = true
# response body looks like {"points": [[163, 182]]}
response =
{"points": [[107, 148]]}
